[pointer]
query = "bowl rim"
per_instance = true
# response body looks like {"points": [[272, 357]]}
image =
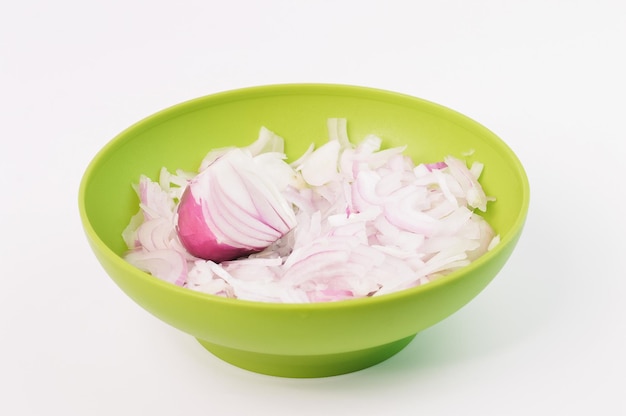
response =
{"points": [[249, 92]]}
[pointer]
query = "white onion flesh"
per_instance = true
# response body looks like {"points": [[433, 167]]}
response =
{"points": [[343, 221]]}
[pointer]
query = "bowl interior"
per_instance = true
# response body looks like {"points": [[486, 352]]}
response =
{"points": [[179, 137]]}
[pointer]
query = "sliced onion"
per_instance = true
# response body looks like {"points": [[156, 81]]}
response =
{"points": [[230, 210], [340, 222], [165, 264]]}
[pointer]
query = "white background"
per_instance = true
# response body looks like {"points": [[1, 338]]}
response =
{"points": [[548, 336]]}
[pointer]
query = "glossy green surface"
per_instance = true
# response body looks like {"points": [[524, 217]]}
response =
{"points": [[310, 340]]}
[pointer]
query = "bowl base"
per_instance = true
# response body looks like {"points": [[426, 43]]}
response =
{"points": [[307, 366]]}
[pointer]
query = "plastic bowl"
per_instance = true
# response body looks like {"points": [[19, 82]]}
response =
{"points": [[297, 340]]}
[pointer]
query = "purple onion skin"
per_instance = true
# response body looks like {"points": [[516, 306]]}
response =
{"points": [[198, 238]]}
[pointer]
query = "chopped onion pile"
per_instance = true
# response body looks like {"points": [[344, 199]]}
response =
{"points": [[343, 221]]}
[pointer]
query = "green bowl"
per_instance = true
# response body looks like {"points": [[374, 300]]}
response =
{"points": [[297, 340]]}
